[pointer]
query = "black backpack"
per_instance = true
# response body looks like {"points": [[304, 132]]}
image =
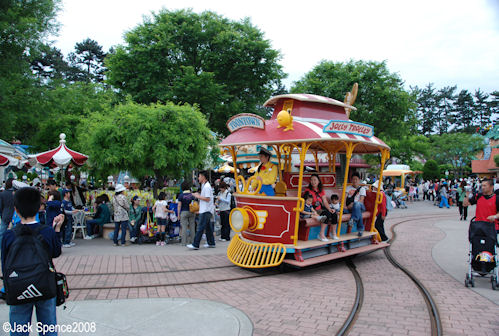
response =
{"points": [[28, 273], [232, 202]]}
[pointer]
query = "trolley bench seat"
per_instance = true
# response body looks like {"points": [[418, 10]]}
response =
{"points": [[306, 224]]}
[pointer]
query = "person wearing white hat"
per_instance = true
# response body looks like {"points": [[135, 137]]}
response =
{"points": [[121, 206], [381, 212]]}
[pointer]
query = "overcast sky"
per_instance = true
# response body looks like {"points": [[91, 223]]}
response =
{"points": [[446, 42]]}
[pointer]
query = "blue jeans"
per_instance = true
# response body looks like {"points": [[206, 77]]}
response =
{"points": [[204, 225], [68, 231], [124, 226], [444, 202], [356, 212], [90, 226], [45, 313], [267, 190]]}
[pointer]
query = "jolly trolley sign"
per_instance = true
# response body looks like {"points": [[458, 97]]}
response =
{"points": [[349, 127], [245, 120]]}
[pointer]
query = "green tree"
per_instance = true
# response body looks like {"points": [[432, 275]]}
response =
{"points": [[23, 27], [160, 140], [456, 149], [427, 108], [465, 120], [381, 101], [49, 64], [64, 108], [224, 67], [445, 116], [482, 108], [431, 171], [409, 148], [87, 62]]}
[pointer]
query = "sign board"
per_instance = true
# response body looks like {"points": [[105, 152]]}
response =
{"points": [[245, 120], [349, 127]]}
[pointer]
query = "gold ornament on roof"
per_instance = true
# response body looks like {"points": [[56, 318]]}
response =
{"points": [[350, 98]]}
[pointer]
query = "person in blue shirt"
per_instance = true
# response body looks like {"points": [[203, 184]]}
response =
{"points": [[53, 207], [68, 212], [27, 204]]}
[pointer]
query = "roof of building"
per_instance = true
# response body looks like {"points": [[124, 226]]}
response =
{"points": [[485, 166]]}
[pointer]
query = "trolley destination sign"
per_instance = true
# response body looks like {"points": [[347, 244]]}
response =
{"points": [[245, 120], [349, 127]]}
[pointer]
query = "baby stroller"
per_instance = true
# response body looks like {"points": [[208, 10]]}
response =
{"points": [[483, 253], [173, 229], [399, 199]]}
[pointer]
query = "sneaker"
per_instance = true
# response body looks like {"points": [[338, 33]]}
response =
{"points": [[359, 234], [334, 237], [323, 239], [133, 239], [158, 243], [210, 246], [66, 245], [95, 236], [221, 239], [72, 244], [350, 222], [88, 237], [116, 244], [322, 219], [192, 247], [163, 244]]}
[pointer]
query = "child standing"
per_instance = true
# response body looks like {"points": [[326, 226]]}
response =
{"points": [[68, 212], [161, 215]]}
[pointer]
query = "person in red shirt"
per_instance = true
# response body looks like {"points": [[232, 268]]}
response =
{"points": [[487, 204], [379, 224]]}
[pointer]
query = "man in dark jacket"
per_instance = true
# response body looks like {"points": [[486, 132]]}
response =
{"points": [[6, 206]]}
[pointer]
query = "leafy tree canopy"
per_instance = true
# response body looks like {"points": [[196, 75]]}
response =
{"points": [[431, 170], [456, 149], [381, 101], [155, 139], [223, 66]]}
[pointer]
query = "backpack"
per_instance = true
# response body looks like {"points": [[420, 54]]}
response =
{"points": [[232, 202], [28, 273]]}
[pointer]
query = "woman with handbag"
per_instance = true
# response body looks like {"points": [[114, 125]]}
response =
{"points": [[223, 200]]}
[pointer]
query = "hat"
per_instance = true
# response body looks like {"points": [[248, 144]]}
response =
{"points": [[375, 185], [67, 191], [119, 188], [264, 151], [18, 184], [134, 198]]}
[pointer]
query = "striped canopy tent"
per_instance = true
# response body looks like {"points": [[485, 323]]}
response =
{"points": [[305, 130], [62, 156]]}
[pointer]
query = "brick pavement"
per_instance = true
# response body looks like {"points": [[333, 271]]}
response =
{"points": [[310, 302]]}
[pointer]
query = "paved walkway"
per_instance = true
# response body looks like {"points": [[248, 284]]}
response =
{"points": [[312, 302]]}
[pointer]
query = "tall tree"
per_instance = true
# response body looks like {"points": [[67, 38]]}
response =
{"points": [[160, 140], [427, 108], [481, 107], [87, 61], [381, 101], [225, 67], [23, 27], [49, 64], [445, 117], [464, 112]]}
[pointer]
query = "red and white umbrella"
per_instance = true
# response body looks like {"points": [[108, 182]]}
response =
{"points": [[61, 156]]}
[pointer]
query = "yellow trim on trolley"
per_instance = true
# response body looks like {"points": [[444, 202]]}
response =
{"points": [[253, 255]]}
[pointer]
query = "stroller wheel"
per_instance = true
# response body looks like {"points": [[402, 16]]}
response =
{"points": [[472, 282], [494, 283], [466, 283]]}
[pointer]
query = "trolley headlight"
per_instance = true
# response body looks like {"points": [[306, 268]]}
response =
{"points": [[239, 219]]}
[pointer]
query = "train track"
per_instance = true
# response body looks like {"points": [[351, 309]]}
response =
{"points": [[436, 325]]}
